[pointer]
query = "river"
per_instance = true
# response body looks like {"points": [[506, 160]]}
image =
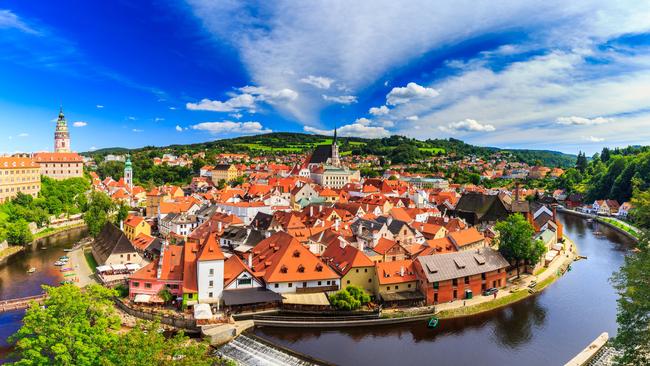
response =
{"points": [[16, 282], [547, 329]]}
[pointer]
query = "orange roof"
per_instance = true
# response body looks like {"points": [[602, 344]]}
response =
{"points": [[342, 259], [232, 268], [383, 245], [190, 252], [211, 250], [7, 162], [172, 266], [59, 157], [466, 237], [391, 272], [400, 213], [439, 246], [281, 258], [142, 241], [133, 220], [174, 207], [327, 192]]}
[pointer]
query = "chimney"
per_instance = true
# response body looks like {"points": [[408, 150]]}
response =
{"points": [[336, 224], [122, 225], [359, 230], [219, 226], [389, 220], [401, 271], [250, 260], [311, 210]]}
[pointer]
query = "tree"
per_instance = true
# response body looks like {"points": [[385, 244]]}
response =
{"points": [[581, 162], [350, 298], [632, 283], [166, 295], [18, 233], [122, 213], [72, 328], [98, 210], [641, 208], [515, 241]]}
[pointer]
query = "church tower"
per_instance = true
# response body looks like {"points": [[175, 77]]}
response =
{"points": [[128, 173], [61, 135], [335, 152]]}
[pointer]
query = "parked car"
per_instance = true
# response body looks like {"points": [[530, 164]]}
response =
{"points": [[490, 291]]}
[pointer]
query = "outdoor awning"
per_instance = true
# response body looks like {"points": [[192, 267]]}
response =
{"points": [[248, 296], [243, 248], [103, 268], [118, 267], [132, 266], [401, 296], [202, 311], [551, 254], [142, 298], [318, 299]]}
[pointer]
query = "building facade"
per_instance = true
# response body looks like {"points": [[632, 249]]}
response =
{"points": [[60, 165], [61, 134], [19, 174]]}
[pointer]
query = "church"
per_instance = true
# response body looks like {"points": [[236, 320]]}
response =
{"points": [[323, 166]]}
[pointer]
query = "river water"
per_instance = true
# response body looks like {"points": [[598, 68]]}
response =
{"points": [[547, 329], [16, 282]]}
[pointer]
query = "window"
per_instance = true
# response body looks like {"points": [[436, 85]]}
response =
{"points": [[348, 282], [454, 282], [211, 271], [328, 283], [436, 285], [290, 284], [369, 280], [135, 284], [455, 294], [147, 285], [244, 281], [467, 280], [277, 285], [210, 294], [211, 284], [396, 287], [409, 286], [482, 276], [304, 284], [366, 270], [435, 297], [387, 288], [319, 283], [357, 270]]}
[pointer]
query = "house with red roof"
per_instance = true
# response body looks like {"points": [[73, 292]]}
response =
{"points": [[354, 267], [165, 273], [210, 271]]}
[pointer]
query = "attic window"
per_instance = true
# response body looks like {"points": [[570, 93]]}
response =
{"points": [[296, 253], [301, 268], [431, 268], [459, 263], [284, 269], [319, 268], [479, 259]]}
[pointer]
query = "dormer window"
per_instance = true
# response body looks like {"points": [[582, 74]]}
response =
{"points": [[296, 253], [301, 268], [284, 269]]}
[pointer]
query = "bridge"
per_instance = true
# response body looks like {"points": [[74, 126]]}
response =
{"points": [[20, 303]]}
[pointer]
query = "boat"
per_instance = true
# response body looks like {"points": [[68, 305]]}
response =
{"points": [[66, 269], [59, 263], [64, 258], [31, 270], [68, 250], [69, 274], [66, 282], [433, 322]]}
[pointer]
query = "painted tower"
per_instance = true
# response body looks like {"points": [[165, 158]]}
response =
{"points": [[61, 134], [335, 152], [128, 173]]}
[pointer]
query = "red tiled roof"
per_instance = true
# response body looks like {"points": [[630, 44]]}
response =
{"points": [[390, 272], [47, 157]]}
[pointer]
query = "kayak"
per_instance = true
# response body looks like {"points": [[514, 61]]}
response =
{"points": [[69, 274], [31, 270], [66, 269], [433, 322], [59, 263]]}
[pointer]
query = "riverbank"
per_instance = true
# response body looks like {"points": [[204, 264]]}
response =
{"points": [[10, 251], [54, 231], [622, 227]]}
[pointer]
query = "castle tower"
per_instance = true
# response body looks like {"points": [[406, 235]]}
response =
{"points": [[335, 151], [61, 134], [128, 173]]}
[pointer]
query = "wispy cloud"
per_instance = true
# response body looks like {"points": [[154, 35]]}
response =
{"points": [[354, 129], [582, 121], [247, 98], [179, 128], [468, 125], [230, 127], [340, 99], [137, 130], [318, 81], [10, 20], [24, 134], [99, 106], [79, 124]]}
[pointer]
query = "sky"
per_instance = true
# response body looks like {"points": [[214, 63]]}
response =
{"points": [[566, 76]]}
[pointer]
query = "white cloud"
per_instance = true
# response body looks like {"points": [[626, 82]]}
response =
{"points": [[341, 99], [318, 81], [468, 125], [363, 121], [353, 130], [230, 127], [236, 115], [92, 148], [11, 20], [99, 106], [158, 119], [179, 128], [131, 118], [246, 100], [137, 130], [379, 111], [594, 139], [573, 120], [80, 124], [412, 118], [172, 108], [24, 134], [401, 95]]}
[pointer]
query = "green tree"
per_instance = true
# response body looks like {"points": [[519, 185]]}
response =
{"points": [[166, 295], [18, 233], [72, 328], [515, 241], [350, 298], [581, 162], [122, 213], [98, 210], [632, 283], [641, 208]]}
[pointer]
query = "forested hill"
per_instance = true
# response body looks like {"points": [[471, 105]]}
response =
{"points": [[399, 149]]}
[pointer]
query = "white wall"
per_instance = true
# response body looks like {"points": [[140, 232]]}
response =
{"points": [[203, 279], [283, 287]]}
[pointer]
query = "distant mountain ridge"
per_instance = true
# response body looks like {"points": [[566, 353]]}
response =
{"points": [[294, 142]]}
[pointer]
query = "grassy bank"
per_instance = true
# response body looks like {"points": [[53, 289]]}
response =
{"points": [[621, 226], [483, 307], [6, 253], [92, 263], [52, 231]]}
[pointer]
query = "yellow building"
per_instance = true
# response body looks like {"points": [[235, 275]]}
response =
{"points": [[395, 277], [18, 174], [60, 165], [225, 172], [354, 267], [136, 225]]}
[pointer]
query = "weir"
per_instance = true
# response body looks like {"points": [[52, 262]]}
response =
{"points": [[249, 351]]}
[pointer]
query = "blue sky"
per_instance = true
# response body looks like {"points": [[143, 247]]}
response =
{"points": [[544, 75]]}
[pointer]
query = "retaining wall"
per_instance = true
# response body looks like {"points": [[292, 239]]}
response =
{"points": [[597, 218], [188, 325]]}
